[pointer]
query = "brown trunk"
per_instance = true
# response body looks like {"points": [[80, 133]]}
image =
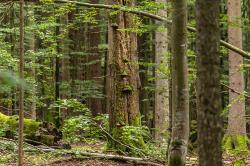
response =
{"points": [[94, 70], [144, 49], [62, 48], [76, 74], [161, 112], [180, 97], [124, 70], [208, 83], [109, 78], [21, 88], [32, 45], [236, 117]]}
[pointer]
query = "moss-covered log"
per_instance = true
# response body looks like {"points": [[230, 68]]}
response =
{"points": [[43, 132]]}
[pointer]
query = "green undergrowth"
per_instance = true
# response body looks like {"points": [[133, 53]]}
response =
{"points": [[236, 145], [33, 156]]}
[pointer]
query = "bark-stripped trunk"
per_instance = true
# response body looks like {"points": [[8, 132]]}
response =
{"points": [[124, 108], [208, 83], [161, 112], [180, 97], [236, 117]]}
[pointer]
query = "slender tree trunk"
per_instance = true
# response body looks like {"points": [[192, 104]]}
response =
{"points": [[109, 77], [63, 48], [57, 112], [180, 97], [236, 117], [124, 70], [161, 112], [208, 83], [144, 47], [32, 45], [21, 88]]}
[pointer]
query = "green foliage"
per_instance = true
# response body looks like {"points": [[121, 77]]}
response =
{"points": [[135, 136], [72, 104], [239, 163], [82, 127], [133, 140]]}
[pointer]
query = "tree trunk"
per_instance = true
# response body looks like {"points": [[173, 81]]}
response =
{"points": [[208, 83], [108, 67], [144, 49], [180, 97], [161, 112], [21, 88], [64, 70], [124, 70], [32, 47], [95, 69], [236, 117]]}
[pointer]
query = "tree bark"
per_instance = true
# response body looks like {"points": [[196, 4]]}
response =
{"points": [[21, 88], [124, 108], [64, 70], [144, 52], [94, 70], [32, 47], [180, 97], [208, 83], [236, 117], [161, 112]]}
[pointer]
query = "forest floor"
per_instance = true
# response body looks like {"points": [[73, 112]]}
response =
{"points": [[44, 156]]}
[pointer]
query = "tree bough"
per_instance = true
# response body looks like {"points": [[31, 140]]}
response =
{"points": [[141, 13]]}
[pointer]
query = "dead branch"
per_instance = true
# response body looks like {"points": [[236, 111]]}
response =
{"points": [[135, 160]]}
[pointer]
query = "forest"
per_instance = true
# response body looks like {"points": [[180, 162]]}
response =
{"points": [[125, 82]]}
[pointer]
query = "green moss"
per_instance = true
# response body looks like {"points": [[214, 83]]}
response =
{"points": [[3, 118], [10, 127], [48, 139], [176, 144], [239, 163], [237, 144], [11, 123], [136, 121], [175, 161], [31, 126], [127, 88]]}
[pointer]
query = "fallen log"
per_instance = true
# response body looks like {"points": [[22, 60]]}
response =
{"points": [[35, 131], [135, 160]]}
